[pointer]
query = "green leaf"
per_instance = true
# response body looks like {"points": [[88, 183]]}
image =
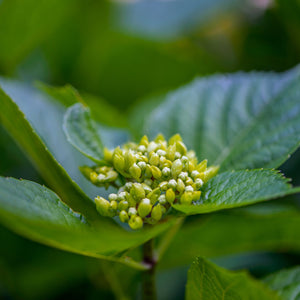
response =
{"points": [[37, 213], [208, 281], [286, 283], [20, 129], [102, 111], [234, 232], [239, 188], [36, 105], [236, 121], [82, 133]]}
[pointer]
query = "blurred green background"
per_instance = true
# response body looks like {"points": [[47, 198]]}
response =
{"points": [[123, 52]]}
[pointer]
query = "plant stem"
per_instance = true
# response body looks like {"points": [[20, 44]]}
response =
{"points": [[148, 285], [167, 238]]}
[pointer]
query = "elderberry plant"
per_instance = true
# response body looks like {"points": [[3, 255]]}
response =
{"points": [[242, 125]]}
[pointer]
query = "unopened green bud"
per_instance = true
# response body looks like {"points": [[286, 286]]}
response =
{"points": [[186, 198], [166, 171], [102, 206], [148, 172], [123, 205], [163, 185], [194, 174], [128, 186], [156, 213], [176, 168], [198, 183], [191, 167], [130, 159], [170, 196], [142, 148], [113, 205], [175, 138], [153, 196], [144, 141], [201, 167], [144, 208], [161, 152], [177, 155], [196, 195], [135, 171], [112, 197], [180, 185], [152, 147], [162, 199], [135, 222], [156, 172], [189, 188], [142, 165], [154, 159], [108, 155], [131, 201], [122, 196], [183, 176], [172, 184], [132, 211], [159, 138], [181, 148], [146, 188], [137, 191], [118, 160], [189, 181], [123, 216], [94, 177], [210, 172], [171, 152], [112, 176]]}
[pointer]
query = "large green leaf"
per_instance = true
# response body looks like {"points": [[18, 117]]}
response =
{"points": [[286, 283], [37, 213], [208, 281], [234, 232], [236, 121], [81, 132], [19, 128], [239, 188], [36, 105]]}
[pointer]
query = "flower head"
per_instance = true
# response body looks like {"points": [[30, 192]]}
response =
{"points": [[154, 175]]}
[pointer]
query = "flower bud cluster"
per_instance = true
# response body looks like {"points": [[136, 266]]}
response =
{"points": [[157, 174]]}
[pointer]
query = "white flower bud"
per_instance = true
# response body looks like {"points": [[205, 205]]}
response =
{"points": [[162, 199], [142, 165], [189, 188], [112, 197], [132, 211], [183, 176], [194, 173], [161, 152], [172, 184], [142, 148], [166, 171]]}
